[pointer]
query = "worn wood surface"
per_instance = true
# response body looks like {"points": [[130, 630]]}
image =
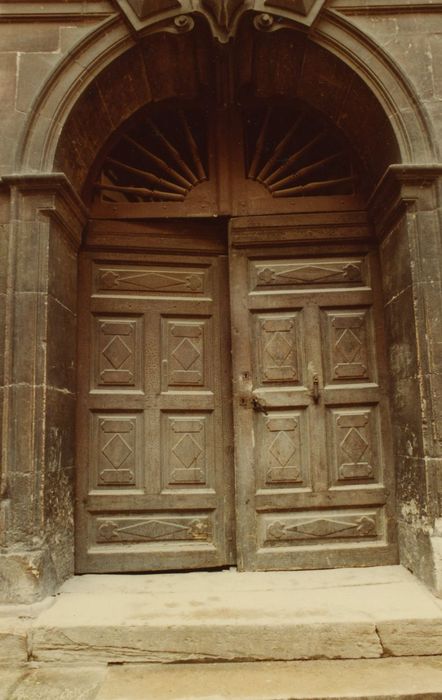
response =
{"points": [[313, 475], [313, 461], [154, 441]]}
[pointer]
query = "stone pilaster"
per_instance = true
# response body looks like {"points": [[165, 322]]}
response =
{"points": [[406, 208], [45, 225]]}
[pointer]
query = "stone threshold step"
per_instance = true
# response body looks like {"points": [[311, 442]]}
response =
{"points": [[375, 679], [230, 616]]}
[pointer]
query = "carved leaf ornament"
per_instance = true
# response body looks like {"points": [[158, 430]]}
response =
{"points": [[223, 16]]}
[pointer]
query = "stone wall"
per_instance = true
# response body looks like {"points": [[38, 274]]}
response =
{"points": [[46, 53]]}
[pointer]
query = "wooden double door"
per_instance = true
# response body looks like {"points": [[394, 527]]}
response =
{"points": [[232, 405]]}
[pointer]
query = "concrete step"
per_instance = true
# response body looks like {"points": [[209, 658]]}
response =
{"points": [[374, 679], [230, 616]]}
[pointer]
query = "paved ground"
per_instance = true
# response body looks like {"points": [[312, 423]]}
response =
{"points": [[225, 616], [358, 633], [416, 678]]}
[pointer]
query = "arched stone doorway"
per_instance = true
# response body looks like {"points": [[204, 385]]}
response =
{"points": [[314, 68], [303, 477]]}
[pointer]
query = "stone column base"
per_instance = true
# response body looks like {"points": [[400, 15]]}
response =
{"points": [[26, 577]]}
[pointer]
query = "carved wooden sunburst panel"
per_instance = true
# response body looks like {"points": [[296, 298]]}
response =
{"points": [[293, 152], [171, 161], [160, 158]]}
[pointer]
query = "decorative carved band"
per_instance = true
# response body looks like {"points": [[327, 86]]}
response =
{"points": [[153, 529], [150, 280], [320, 527], [274, 274]]}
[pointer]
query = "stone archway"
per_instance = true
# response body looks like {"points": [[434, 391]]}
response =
{"points": [[55, 141], [164, 170]]}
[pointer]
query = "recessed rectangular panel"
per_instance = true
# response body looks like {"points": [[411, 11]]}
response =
{"points": [[348, 346], [277, 348], [276, 275], [354, 445], [321, 527], [187, 451], [184, 354], [116, 451], [117, 354], [150, 280], [283, 449], [153, 527]]}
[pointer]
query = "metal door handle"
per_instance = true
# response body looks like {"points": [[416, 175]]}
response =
{"points": [[316, 393], [258, 406]]}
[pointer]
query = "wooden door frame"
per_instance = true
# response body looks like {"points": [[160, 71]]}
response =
{"points": [[303, 229], [165, 243], [304, 233]]}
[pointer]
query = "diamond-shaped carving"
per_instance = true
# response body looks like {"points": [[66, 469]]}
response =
{"points": [[186, 354], [282, 448], [279, 348], [117, 352], [116, 451], [354, 445], [187, 451], [323, 527], [349, 345]]}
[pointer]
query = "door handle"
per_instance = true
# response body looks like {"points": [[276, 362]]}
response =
{"points": [[258, 406], [316, 394]]}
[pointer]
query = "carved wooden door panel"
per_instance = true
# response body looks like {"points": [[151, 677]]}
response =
{"points": [[155, 478], [314, 474]]}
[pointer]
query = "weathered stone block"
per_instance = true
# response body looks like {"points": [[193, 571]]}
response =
{"points": [[398, 679], [33, 70], [395, 263], [63, 287], [415, 547], [61, 337], [401, 336], [31, 238], [60, 684], [8, 680], [27, 36], [8, 76], [411, 637], [412, 488], [29, 338], [13, 640], [26, 577]]}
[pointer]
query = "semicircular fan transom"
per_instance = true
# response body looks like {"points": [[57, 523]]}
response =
{"points": [[160, 158], [293, 152]]}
